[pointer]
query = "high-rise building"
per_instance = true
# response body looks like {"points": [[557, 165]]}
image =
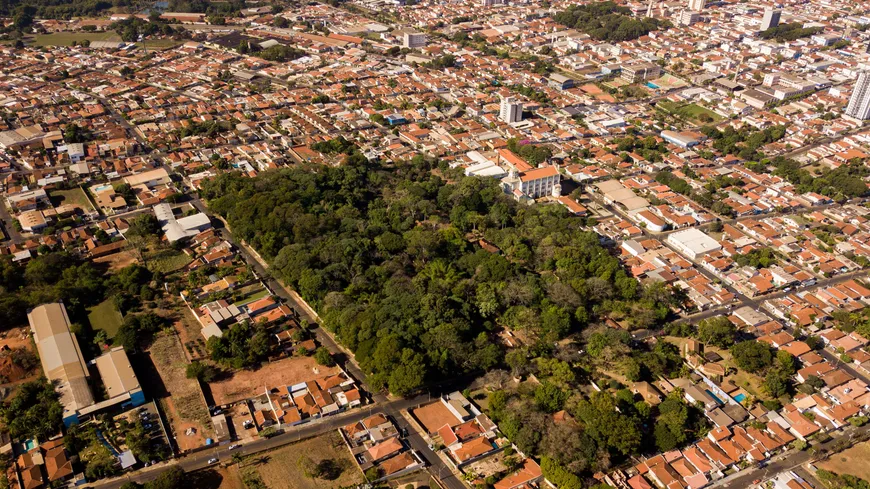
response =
{"points": [[688, 17], [511, 110], [414, 40], [859, 104], [697, 5], [771, 18]]}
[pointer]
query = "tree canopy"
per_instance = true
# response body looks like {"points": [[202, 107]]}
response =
{"points": [[389, 256]]}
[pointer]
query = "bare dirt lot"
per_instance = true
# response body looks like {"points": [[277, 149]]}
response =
{"points": [[288, 371], [118, 261], [184, 405], [852, 461]]}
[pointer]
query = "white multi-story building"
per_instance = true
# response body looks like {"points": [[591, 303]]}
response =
{"points": [[414, 40], [511, 110], [770, 19], [859, 104], [697, 5]]}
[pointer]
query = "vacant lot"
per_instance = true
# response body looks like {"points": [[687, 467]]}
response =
{"points": [[75, 196], [166, 260], [852, 461], [185, 406], [117, 261], [67, 38], [105, 316], [288, 371], [281, 468]]}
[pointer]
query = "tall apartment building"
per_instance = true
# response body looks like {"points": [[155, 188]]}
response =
{"points": [[697, 5], [770, 19], [511, 110], [859, 104], [688, 17], [414, 40]]}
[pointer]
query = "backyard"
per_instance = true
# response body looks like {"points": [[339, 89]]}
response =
{"points": [[105, 316]]}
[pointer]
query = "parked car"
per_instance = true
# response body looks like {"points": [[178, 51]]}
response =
{"points": [[212, 461]]}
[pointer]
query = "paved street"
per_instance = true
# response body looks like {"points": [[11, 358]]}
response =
{"points": [[224, 455]]}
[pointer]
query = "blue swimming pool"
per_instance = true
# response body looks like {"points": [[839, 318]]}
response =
{"points": [[652, 85], [714, 396], [740, 397]]}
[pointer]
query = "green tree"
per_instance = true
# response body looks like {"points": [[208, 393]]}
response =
{"points": [[717, 331], [752, 356]]}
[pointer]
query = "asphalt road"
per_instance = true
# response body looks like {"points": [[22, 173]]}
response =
{"points": [[200, 460]]}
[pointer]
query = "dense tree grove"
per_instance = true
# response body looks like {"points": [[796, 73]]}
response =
{"points": [[744, 142], [34, 412], [606, 21], [841, 183], [390, 257], [789, 32]]}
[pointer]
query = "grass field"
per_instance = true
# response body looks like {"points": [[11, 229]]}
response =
{"points": [[74, 197], [105, 316], [67, 38], [852, 461], [692, 112], [252, 293], [166, 261], [280, 468]]}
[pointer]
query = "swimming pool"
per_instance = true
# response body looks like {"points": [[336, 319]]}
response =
{"points": [[101, 188], [740, 397], [714, 396], [652, 85]]}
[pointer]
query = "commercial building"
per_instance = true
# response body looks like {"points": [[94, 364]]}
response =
{"points": [[693, 243], [177, 229], [859, 104], [680, 139], [511, 110], [560, 82], [61, 358], [414, 40], [636, 72], [697, 5], [120, 381], [770, 19]]}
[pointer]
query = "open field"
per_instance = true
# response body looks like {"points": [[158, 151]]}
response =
{"points": [[852, 461], [166, 261], [184, 405], [280, 468], [75, 196], [106, 316], [693, 112], [67, 38], [288, 371]]}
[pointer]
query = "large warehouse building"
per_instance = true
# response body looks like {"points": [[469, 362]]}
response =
{"points": [[64, 365], [61, 358], [693, 243]]}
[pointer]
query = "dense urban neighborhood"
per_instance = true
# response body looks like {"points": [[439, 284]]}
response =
{"points": [[407, 244]]}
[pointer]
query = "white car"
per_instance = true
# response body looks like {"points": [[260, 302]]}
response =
{"points": [[212, 461], [233, 447]]}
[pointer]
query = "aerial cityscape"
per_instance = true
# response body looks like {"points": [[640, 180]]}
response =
{"points": [[408, 244]]}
